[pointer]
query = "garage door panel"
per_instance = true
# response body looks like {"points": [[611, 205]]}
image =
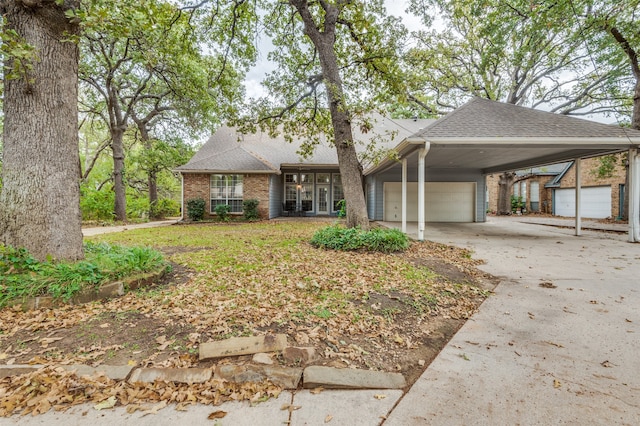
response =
{"points": [[444, 201], [595, 202]]}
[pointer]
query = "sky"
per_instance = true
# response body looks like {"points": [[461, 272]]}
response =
{"points": [[263, 66]]}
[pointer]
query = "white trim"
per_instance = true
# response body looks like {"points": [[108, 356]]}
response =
{"points": [[578, 167], [422, 154], [634, 195], [404, 195]]}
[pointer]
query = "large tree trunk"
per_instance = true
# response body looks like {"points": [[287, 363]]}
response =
{"points": [[505, 183], [40, 197], [117, 148], [350, 167]]}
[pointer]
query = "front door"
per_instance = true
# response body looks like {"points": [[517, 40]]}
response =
{"points": [[322, 198]]}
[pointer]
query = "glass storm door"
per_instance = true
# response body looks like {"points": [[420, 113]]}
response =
{"points": [[323, 199]]}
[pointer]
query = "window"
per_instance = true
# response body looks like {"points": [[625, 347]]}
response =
{"points": [[226, 189], [534, 198], [338, 193]]}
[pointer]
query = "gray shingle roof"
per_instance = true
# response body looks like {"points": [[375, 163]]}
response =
{"points": [[490, 119], [229, 150]]}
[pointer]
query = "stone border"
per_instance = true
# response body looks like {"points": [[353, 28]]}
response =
{"points": [[112, 289]]}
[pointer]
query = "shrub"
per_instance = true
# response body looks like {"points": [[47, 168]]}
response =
{"points": [[195, 209], [379, 239], [342, 208], [222, 210], [165, 207], [21, 275], [250, 209]]}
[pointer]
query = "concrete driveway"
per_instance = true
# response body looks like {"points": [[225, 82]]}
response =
{"points": [[558, 342]]}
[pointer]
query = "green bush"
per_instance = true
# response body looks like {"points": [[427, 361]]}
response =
{"points": [[165, 207], [21, 275], [222, 211], [250, 209], [96, 205], [342, 208], [379, 239], [195, 209]]}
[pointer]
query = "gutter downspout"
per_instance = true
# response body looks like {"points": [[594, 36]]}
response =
{"points": [[422, 154], [181, 197], [578, 230], [404, 195], [634, 195]]}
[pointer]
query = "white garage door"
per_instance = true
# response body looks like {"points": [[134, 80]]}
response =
{"points": [[444, 201], [595, 202]]}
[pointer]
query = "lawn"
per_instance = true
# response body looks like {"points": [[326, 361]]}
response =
{"points": [[378, 311]]}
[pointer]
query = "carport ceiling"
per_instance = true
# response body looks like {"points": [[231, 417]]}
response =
{"points": [[493, 137], [493, 159]]}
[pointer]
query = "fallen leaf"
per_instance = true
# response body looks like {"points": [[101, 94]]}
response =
{"points": [[317, 390], [290, 407], [217, 415], [132, 363], [107, 403], [556, 383], [105, 325], [328, 418], [379, 396], [154, 409], [132, 408], [4, 356]]}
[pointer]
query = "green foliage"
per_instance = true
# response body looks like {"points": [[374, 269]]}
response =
{"points": [[342, 208], [516, 203], [222, 211], [378, 239], [250, 209], [195, 209], [606, 167], [96, 204], [21, 275], [20, 55], [165, 207]]}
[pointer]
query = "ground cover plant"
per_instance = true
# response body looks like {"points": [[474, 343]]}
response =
{"points": [[21, 275], [371, 310]]}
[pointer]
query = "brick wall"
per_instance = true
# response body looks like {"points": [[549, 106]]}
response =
{"points": [[589, 177], [256, 186], [197, 185], [545, 195], [492, 187]]}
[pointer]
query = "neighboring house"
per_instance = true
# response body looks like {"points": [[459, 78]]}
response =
{"points": [[437, 173], [551, 189], [531, 186]]}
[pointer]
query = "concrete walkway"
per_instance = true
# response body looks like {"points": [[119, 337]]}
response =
{"points": [[557, 343], [98, 230]]}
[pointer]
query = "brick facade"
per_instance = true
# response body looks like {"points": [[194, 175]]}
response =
{"points": [[545, 194], [255, 186]]}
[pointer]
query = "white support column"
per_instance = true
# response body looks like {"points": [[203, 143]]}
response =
{"points": [[578, 190], [404, 195], [634, 195], [422, 154], [182, 196]]}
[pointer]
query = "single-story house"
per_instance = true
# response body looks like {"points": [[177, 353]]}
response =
{"points": [[437, 173], [551, 189]]}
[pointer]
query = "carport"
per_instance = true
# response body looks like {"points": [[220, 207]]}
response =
{"points": [[484, 137]]}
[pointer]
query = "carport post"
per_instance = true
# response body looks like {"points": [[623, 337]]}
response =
{"points": [[404, 195], [421, 172], [634, 195], [578, 190]]}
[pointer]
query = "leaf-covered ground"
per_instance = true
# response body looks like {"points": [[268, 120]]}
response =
{"points": [[391, 312]]}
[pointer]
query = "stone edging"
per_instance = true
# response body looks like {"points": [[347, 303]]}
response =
{"points": [[285, 377], [113, 289]]}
